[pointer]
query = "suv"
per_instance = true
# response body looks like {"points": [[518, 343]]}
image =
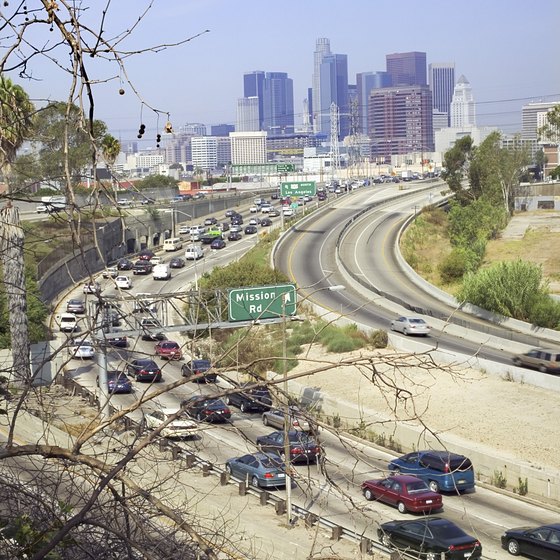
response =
{"points": [[142, 267], [543, 359], [441, 470], [251, 398], [196, 367]]}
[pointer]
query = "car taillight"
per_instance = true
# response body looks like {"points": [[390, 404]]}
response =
{"points": [[446, 468], [296, 450], [269, 475], [295, 423], [227, 411]]}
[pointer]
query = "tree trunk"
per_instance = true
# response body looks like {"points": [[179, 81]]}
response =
{"points": [[11, 246]]}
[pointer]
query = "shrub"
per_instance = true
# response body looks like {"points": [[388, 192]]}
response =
{"points": [[379, 339], [499, 480], [544, 311]]}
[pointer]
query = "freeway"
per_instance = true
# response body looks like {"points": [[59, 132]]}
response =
{"points": [[333, 490]]}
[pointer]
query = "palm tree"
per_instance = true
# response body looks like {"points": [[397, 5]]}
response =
{"points": [[110, 148], [16, 121]]}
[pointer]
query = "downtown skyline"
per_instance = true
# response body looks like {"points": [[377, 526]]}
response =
{"points": [[504, 49]]}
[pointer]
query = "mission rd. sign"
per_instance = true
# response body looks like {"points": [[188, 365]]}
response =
{"points": [[262, 302]]}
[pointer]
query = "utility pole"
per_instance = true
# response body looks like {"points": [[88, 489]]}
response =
{"points": [[335, 155]]}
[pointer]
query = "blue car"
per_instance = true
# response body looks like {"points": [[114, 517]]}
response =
{"points": [[441, 470], [117, 382], [261, 470]]}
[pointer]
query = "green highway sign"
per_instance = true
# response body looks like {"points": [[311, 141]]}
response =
{"points": [[285, 167], [262, 302], [298, 188]]}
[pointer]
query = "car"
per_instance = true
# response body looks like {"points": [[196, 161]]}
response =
{"points": [[179, 427], [250, 398], [254, 209], [124, 202], [254, 221], [405, 492], [144, 369], [234, 236], [168, 349], [161, 272], [42, 209], [441, 470], [117, 382], [147, 200], [157, 260], [193, 253], [195, 369], [236, 228], [176, 262], [210, 221], [206, 409], [223, 227], [151, 329], [542, 543], [276, 418], [545, 360], [184, 230], [229, 213], [266, 222], [237, 220], [110, 272], [266, 208], [303, 448], [146, 255], [260, 470], [287, 211], [207, 238], [82, 349], [67, 322], [273, 213], [411, 325], [114, 339], [431, 537], [218, 243], [142, 267], [125, 264], [123, 282], [75, 305], [91, 288], [249, 230]]}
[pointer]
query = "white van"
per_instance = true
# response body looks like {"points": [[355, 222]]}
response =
{"points": [[172, 244], [193, 253], [161, 272], [67, 322]]}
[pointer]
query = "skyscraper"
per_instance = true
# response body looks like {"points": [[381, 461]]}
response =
{"points": [[463, 111], [442, 83], [400, 120], [533, 117], [247, 114], [365, 82], [278, 103], [322, 49], [253, 83], [407, 69]]}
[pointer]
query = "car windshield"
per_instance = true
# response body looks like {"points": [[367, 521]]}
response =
{"points": [[417, 486]]}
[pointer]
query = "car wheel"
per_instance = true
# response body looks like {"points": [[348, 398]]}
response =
{"points": [[255, 482], [243, 407], [229, 470], [405, 331], [516, 361], [392, 327], [386, 540], [434, 486], [401, 507], [199, 417], [368, 494], [513, 547], [226, 400], [283, 457], [396, 470], [543, 369], [431, 556], [265, 420]]}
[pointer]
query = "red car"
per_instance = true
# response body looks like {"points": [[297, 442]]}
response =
{"points": [[405, 492], [168, 349]]}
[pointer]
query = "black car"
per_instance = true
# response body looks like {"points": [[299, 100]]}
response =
{"points": [[196, 368], [266, 222], [207, 409], [176, 262], [210, 221], [218, 243], [430, 536], [542, 542], [251, 398], [117, 382], [237, 220], [250, 230], [144, 370], [234, 236], [230, 213], [142, 267], [113, 339], [125, 264], [146, 254], [303, 447], [77, 306]]}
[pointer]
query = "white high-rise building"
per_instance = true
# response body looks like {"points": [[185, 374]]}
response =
{"points": [[204, 152], [463, 113], [248, 147], [533, 117], [247, 114]]}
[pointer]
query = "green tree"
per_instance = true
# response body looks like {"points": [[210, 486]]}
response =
{"points": [[509, 288], [456, 162], [550, 131], [155, 182]]}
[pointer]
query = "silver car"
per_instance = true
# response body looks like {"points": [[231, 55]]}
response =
{"points": [[275, 418], [411, 325]]}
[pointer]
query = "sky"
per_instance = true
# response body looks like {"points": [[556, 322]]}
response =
{"points": [[509, 50]]}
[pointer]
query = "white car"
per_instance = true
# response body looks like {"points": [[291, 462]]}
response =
{"points": [[123, 282], [156, 260], [287, 211], [184, 230], [411, 325], [193, 253], [181, 427], [42, 209], [110, 272], [67, 322], [254, 209], [266, 208], [82, 349]]}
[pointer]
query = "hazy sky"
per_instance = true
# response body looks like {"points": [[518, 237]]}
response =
{"points": [[509, 50]]}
